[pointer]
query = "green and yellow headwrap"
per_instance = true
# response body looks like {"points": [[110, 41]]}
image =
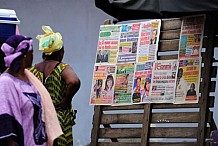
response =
{"points": [[49, 42]]}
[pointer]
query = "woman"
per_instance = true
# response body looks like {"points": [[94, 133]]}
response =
{"points": [[22, 114], [109, 85], [59, 79], [98, 87], [138, 88], [191, 91], [145, 91]]}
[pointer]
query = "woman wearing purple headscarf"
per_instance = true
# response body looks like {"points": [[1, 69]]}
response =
{"points": [[21, 110]]}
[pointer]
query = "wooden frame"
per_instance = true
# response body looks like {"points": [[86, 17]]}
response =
{"points": [[175, 124]]}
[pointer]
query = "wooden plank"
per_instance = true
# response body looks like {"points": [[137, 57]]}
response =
{"points": [[171, 24], [175, 117], [177, 132], [118, 144], [212, 86], [206, 78], [173, 144], [132, 118], [168, 45], [167, 57], [216, 42], [126, 107], [211, 100], [205, 41], [170, 34], [146, 124], [159, 117], [170, 106], [155, 132], [205, 57], [96, 125], [108, 126], [173, 132], [213, 71], [120, 132]]}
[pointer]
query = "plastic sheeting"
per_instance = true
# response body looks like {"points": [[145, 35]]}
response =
{"points": [[151, 9]]}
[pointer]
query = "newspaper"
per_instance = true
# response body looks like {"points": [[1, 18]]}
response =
{"points": [[128, 43], [142, 82], [163, 81], [102, 91], [191, 36], [123, 84], [148, 41], [108, 44], [188, 81]]}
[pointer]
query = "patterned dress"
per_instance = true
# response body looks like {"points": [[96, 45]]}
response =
{"points": [[57, 88], [21, 112]]}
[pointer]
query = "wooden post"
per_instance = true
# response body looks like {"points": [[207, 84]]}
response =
{"points": [[206, 76], [96, 125], [146, 124]]}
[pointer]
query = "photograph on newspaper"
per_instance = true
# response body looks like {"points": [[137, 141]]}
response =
{"points": [[123, 84], [102, 91], [142, 82]]}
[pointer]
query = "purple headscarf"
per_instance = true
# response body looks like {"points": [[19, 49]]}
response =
{"points": [[14, 47]]}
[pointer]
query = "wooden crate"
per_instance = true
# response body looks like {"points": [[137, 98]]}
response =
{"points": [[164, 124]]}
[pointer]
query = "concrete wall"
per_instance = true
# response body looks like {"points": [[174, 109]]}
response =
{"points": [[78, 21]]}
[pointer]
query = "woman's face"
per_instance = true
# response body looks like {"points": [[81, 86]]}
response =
{"points": [[192, 87], [109, 83], [138, 82], [29, 59]]}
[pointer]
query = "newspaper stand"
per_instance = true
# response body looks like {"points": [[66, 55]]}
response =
{"points": [[164, 124]]}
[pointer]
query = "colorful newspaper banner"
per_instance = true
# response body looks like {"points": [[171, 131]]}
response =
{"points": [[142, 82], [148, 41], [123, 84], [191, 36], [188, 81], [102, 91], [128, 43], [163, 81], [108, 44]]}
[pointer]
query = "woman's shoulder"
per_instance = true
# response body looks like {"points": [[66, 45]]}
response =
{"points": [[8, 80], [61, 66]]}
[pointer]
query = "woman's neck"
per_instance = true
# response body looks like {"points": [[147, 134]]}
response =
{"points": [[17, 74]]}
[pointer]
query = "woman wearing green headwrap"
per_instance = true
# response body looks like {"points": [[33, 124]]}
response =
{"points": [[59, 79]]}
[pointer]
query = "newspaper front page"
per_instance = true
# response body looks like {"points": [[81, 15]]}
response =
{"points": [[163, 81], [188, 81]]}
